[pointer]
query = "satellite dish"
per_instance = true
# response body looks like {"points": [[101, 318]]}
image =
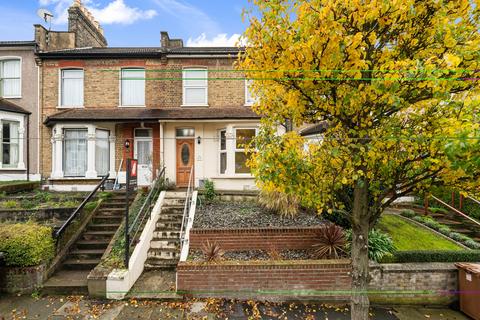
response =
{"points": [[45, 15]]}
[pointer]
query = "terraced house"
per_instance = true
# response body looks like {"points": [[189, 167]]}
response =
{"points": [[182, 108]]}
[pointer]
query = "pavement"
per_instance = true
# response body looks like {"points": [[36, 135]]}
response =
{"points": [[81, 308]]}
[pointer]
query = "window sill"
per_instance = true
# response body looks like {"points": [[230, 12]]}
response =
{"points": [[237, 176], [70, 107], [13, 169], [12, 97], [132, 106], [194, 105]]}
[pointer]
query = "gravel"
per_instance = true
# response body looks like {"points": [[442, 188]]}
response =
{"points": [[250, 255], [232, 215]]}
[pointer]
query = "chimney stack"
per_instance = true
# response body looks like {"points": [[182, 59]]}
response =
{"points": [[88, 32]]}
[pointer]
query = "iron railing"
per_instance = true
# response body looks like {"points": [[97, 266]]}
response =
{"points": [[456, 211], [186, 210], [79, 209], [143, 213]]}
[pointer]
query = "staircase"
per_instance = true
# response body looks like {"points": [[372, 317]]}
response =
{"points": [[458, 224], [86, 252], [164, 251]]}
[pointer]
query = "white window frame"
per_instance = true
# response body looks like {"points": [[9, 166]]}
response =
{"points": [[108, 149], [120, 100], [10, 58], [249, 99], [184, 87], [220, 152], [60, 88], [64, 149], [18, 143], [235, 149]]}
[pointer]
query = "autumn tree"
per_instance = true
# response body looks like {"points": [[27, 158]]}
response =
{"points": [[397, 82]]}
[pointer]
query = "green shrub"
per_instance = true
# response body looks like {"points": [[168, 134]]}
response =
{"points": [[429, 222], [472, 244], [279, 202], [26, 244], [89, 206], [418, 219], [433, 256], [339, 218], [105, 195], [438, 210], [10, 204], [409, 213], [445, 230], [379, 244], [457, 236], [209, 192]]}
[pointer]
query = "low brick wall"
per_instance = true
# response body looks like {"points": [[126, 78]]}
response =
{"points": [[408, 283], [326, 280], [255, 238], [413, 283], [21, 279]]}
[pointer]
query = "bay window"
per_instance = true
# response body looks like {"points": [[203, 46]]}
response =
{"points": [[71, 88], [195, 87], [243, 137], [10, 78], [133, 87], [10, 144], [75, 152], [102, 152]]}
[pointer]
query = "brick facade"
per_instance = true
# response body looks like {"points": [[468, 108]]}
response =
{"points": [[255, 239], [322, 279]]}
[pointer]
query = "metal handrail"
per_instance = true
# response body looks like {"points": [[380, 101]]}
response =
{"points": [[186, 209], [80, 207], [474, 200], [146, 208], [457, 211]]}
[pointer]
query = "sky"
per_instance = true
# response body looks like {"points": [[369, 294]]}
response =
{"points": [[135, 22]]}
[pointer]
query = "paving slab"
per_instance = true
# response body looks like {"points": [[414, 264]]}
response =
{"points": [[412, 312], [155, 285]]}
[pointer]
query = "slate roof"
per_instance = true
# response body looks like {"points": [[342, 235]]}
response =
{"points": [[6, 105], [140, 52], [313, 129], [17, 43], [150, 114]]}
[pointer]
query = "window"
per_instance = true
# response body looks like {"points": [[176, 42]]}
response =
{"points": [[10, 143], [249, 99], [75, 152], [185, 132], [102, 152], [195, 87], [71, 92], [223, 151], [242, 139], [133, 87], [10, 78]]}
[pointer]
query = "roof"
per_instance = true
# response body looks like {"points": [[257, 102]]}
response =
{"points": [[140, 52], [17, 43], [150, 114], [6, 105], [313, 129]]}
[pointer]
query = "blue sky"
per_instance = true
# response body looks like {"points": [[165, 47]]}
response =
{"points": [[136, 22]]}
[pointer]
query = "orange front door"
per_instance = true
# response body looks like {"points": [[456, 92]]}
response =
{"points": [[185, 152]]}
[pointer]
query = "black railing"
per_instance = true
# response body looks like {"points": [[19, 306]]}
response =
{"points": [[186, 210], [72, 217], [141, 216]]}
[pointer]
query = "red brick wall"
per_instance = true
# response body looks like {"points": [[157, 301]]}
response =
{"points": [[283, 279], [261, 238]]}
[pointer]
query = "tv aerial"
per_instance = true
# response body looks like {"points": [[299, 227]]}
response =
{"points": [[45, 15]]}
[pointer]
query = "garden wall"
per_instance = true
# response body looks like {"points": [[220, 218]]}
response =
{"points": [[21, 279], [255, 238], [408, 283], [319, 279]]}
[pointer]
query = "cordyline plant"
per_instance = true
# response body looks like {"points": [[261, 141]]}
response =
{"points": [[212, 252], [398, 83], [330, 242]]}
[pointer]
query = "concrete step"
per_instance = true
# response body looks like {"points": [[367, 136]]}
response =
{"points": [[158, 234], [157, 263], [85, 254], [449, 222], [67, 282], [174, 202], [164, 244], [92, 244], [103, 226], [80, 264], [107, 219]]}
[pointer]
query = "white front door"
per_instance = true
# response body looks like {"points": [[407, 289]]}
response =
{"points": [[143, 152]]}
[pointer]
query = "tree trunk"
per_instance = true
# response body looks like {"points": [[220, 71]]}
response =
{"points": [[360, 273]]}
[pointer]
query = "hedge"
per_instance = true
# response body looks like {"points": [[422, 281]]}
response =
{"points": [[432, 256], [26, 244]]}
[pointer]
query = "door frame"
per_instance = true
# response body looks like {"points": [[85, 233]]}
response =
{"points": [[192, 139], [143, 139]]}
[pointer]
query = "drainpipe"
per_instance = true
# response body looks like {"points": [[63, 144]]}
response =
{"points": [[28, 147]]}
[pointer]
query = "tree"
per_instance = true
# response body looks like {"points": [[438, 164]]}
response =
{"points": [[397, 82]]}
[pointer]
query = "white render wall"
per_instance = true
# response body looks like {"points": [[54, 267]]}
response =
{"points": [[207, 156]]}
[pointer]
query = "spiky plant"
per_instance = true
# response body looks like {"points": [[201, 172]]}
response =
{"points": [[212, 251], [274, 254], [330, 242], [279, 202]]}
